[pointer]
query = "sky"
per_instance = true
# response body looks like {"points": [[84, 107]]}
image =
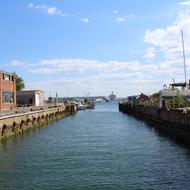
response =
{"points": [[80, 47]]}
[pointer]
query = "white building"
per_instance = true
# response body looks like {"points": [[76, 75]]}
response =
{"points": [[30, 98]]}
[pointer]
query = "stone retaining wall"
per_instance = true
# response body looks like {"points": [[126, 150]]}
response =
{"points": [[17, 123]]}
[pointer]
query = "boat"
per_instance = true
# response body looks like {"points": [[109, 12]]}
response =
{"points": [[90, 105], [81, 106]]}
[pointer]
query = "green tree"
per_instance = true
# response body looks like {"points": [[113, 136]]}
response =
{"points": [[179, 101], [155, 98], [19, 83]]}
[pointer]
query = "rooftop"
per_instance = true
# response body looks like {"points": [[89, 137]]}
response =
{"points": [[7, 72]]}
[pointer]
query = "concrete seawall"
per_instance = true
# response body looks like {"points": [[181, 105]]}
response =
{"points": [[18, 123], [174, 123]]}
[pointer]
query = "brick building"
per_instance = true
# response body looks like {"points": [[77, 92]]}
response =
{"points": [[7, 90]]}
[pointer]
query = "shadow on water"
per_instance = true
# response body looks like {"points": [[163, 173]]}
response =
{"points": [[162, 133], [173, 138]]}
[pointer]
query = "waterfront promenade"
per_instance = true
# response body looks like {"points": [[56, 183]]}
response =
{"points": [[95, 149]]}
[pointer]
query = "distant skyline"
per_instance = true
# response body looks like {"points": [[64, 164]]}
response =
{"points": [[78, 47]]}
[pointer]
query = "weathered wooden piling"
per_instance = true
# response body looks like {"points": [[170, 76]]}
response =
{"points": [[174, 123]]}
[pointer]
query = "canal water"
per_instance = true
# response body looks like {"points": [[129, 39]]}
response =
{"points": [[95, 149]]}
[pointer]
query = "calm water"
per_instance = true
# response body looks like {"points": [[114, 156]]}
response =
{"points": [[97, 149]]}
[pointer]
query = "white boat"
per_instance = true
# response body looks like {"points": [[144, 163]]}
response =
{"points": [[81, 106]]}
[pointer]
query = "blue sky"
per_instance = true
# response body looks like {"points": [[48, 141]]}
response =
{"points": [[75, 47]]}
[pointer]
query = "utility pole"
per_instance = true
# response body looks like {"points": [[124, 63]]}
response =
{"points": [[184, 63], [56, 99]]}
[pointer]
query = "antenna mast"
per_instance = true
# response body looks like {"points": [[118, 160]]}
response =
{"points": [[184, 57]]}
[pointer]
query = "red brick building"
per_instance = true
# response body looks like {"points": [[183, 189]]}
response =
{"points": [[7, 90]]}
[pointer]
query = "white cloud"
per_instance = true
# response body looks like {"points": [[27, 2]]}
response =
{"points": [[14, 63], [52, 10], [124, 18], [150, 53], [113, 69], [81, 65], [115, 12], [97, 85], [31, 5], [168, 44], [170, 36], [185, 3], [131, 16], [163, 38], [48, 10], [85, 20], [120, 19], [100, 77]]}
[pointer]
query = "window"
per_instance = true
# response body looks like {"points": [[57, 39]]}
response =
{"points": [[7, 77], [8, 97]]}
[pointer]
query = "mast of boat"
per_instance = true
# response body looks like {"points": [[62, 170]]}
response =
{"points": [[184, 63]]}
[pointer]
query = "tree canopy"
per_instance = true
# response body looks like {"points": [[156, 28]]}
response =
{"points": [[179, 101], [19, 83]]}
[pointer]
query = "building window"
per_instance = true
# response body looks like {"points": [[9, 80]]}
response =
{"points": [[7, 77], [8, 97]]}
